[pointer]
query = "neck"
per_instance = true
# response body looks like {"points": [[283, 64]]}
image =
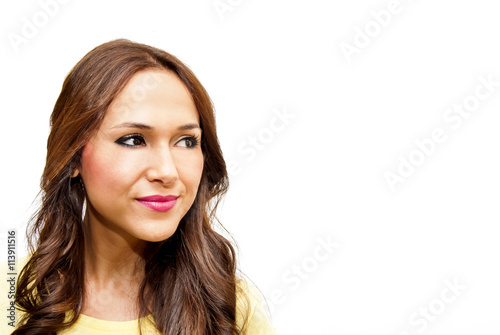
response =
{"points": [[114, 271], [111, 256]]}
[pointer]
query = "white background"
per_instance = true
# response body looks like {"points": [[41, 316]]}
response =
{"points": [[320, 177]]}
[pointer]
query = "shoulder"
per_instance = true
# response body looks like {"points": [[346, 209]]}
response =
{"points": [[8, 280], [251, 312]]}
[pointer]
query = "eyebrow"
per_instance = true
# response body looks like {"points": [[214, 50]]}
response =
{"points": [[143, 126]]}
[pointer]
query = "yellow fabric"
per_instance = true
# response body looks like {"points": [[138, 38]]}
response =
{"points": [[258, 319]]}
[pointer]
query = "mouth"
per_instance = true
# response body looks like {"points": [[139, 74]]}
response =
{"points": [[159, 203]]}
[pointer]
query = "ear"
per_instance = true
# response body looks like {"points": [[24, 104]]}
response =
{"points": [[76, 172]]}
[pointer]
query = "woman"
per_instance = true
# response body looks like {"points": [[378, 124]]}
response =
{"points": [[123, 240]]}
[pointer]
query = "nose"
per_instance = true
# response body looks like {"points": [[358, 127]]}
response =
{"points": [[161, 167]]}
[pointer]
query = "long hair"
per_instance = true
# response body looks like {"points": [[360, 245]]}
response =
{"points": [[191, 276]]}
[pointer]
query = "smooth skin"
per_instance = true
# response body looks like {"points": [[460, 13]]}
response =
{"points": [[148, 144]]}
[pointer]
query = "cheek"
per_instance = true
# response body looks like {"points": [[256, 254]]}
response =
{"points": [[191, 173], [101, 171]]}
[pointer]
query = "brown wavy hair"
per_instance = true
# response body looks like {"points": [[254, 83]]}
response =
{"points": [[192, 274]]}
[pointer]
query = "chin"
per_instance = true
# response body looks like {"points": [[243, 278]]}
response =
{"points": [[157, 236]]}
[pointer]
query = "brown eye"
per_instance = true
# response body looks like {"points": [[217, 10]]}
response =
{"points": [[189, 142], [131, 141]]}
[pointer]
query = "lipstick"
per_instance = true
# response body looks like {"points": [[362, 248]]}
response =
{"points": [[159, 203]]}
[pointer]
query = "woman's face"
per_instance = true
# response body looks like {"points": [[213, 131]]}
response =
{"points": [[142, 168]]}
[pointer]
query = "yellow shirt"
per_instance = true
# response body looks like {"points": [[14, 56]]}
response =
{"points": [[258, 319]]}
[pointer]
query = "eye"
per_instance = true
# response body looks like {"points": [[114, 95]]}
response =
{"points": [[189, 142], [133, 140]]}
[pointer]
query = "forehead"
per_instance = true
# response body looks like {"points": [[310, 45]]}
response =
{"points": [[156, 97]]}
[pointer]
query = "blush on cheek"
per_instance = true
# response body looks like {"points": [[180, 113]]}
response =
{"points": [[97, 169]]}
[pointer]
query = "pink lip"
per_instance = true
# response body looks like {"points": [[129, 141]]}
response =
{"points": [[159, 203]]}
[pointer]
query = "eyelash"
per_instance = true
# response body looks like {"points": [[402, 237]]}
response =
{"points": [[121, 141], [194, 139]]}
